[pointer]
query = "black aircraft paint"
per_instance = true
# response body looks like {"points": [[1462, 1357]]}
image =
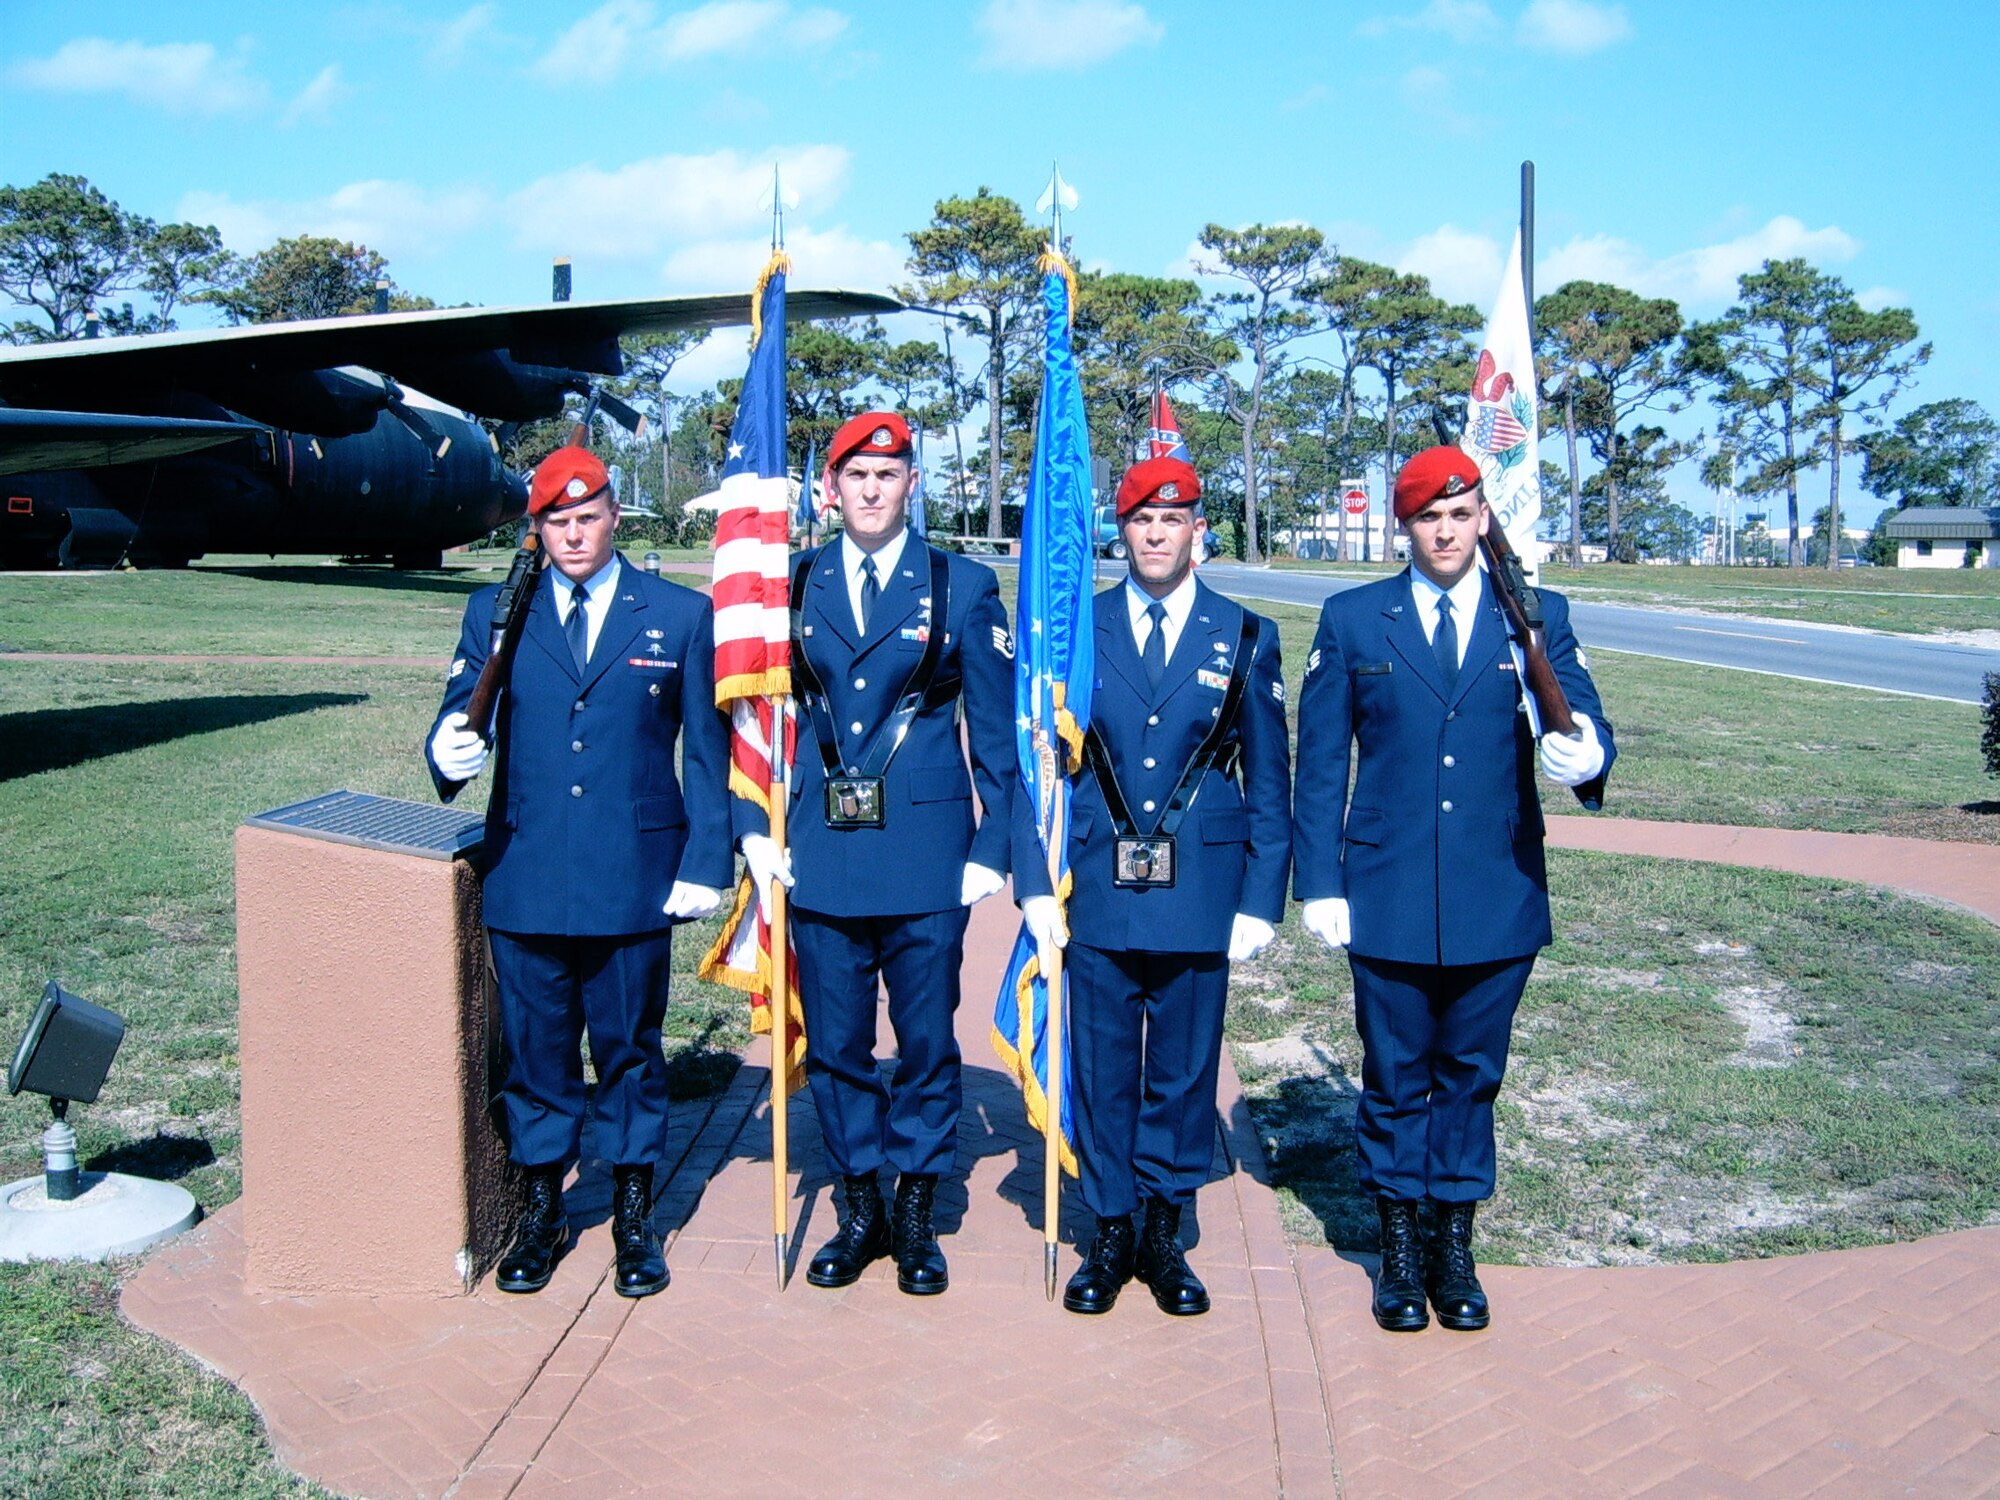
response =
{"points": [[304, 437]]}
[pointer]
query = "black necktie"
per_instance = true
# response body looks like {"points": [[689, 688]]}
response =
{"points": [[576, 630], [871, 590], [1445, 643], [1154, 657]]}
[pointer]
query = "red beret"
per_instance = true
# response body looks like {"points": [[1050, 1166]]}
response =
{"points": [[565, 477], [1158, 481], [1433, 473], [880, 434]]}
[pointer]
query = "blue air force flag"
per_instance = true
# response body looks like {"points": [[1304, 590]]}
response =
{"points": [[1054, 668]]}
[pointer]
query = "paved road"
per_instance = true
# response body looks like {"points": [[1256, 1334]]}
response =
{"points": [[1821, 653]]}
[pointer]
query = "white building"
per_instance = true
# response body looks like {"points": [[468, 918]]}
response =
{"points": [[1946, 536]]}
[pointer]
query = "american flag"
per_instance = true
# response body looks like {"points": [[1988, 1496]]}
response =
{"points": [[753, 644]]}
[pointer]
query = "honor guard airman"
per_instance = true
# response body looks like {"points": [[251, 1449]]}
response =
{"points": [[894, 643], [1179, 842], [592, 852], [1431, 872]]}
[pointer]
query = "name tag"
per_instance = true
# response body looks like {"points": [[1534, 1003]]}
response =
{"points": [[1374, 669]]}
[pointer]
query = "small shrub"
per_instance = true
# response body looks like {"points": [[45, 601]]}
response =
{"points": [[1989, 742]]}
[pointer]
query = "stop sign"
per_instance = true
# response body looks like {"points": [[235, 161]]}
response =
{"points": [[1356, 501]]}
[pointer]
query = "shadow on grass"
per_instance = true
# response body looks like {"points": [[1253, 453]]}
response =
{"points": [[164, 1158], [698, 1068], [51, 739], [1980, 809], [367, 576], [1312, 1121]]}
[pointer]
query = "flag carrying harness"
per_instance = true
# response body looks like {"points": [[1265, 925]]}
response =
{"points": [[1146, 860], [854, 796]]}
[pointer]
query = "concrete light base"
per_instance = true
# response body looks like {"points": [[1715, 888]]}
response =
{"points": [[115, 1214]]}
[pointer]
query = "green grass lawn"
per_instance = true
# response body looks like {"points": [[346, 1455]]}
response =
{"points": [[1910, 601], [1709, 1064], [121, 785]]}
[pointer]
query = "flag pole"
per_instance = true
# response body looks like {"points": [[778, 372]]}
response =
{"points": [[781, 1003], [1052, 1113]]}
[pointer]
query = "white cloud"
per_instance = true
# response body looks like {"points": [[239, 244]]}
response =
{"points": [[1572, 27], [642, 208], [450, 40], [1875, 298], [396, 218], [1462, 266], [316, 100], [1461, 20], [1703, 278], [820, 258], [625, 33], [595, 48], [1028, 35], [184, 77]]}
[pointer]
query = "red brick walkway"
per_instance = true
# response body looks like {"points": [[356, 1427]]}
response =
{"points": [[1862, 1373]]}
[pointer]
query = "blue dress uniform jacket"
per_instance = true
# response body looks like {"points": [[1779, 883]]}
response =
{"points": [[1148, 971], [1439, 854], [587, 828], [912, 863], [1439, 848], [586, 832], [1234, 847], [879, 907]]}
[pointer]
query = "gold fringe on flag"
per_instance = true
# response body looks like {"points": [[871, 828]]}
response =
{"points": [[1053, 259], [779, 262]]}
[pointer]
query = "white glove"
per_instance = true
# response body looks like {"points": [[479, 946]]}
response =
{"points": [[1572, 762], [688, 902], [1248, 937], [1328, 920], [977, 883], [1045, 925], [766, 863], [456, 751]]}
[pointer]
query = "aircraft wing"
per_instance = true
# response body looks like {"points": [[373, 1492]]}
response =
{"points": [[31, 441], [569, 335]]}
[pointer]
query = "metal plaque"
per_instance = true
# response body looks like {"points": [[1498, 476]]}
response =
{"points": [[388, 823]]}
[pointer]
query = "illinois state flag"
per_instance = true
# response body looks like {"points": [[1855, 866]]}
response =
{"points": [[753, 645], [1501, 425]]}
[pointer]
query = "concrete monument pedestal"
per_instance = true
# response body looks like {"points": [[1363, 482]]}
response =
{"points": [[371, 1162]]}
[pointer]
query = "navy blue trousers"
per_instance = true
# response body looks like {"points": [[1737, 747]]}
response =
{"points": [[912, 1123], [1433, 1051], [1145, 1035], [553, 989]]}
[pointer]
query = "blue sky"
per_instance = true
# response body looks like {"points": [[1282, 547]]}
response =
{"points": [[1676, 145]]}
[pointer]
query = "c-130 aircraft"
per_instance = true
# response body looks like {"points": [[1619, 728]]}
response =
{"points": [[342, 435]]}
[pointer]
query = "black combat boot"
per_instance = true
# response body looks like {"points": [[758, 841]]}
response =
{"points": [[1399, 1285], [539, 1239], [642, 1269], [863, 1236], [1450, 1278], [1163, 1266], [1105, 1269], [920, 1268]]}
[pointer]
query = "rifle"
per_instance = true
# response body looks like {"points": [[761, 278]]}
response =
{"points": [[1523, 607], [510, 618]]}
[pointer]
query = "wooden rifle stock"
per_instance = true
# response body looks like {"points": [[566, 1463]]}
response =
{"points": [[1523, 607], [510, 617]]}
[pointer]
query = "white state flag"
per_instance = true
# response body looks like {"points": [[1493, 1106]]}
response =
{"points": [[1501, 431]]}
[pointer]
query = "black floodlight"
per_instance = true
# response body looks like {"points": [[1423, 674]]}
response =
{"points": [[67, 1049], [65, 1053]]}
